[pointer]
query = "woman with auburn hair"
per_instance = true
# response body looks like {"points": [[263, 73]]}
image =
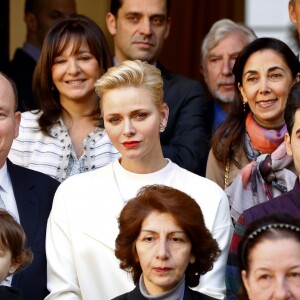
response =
{"points": [[66, 135], [83, 222], [164, 244]]}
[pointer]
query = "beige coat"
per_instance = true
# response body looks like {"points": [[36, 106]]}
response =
{"points": [[83, 226], [216, 172]]}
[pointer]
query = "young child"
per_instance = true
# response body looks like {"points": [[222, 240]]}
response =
{"points": [[14, 257]]}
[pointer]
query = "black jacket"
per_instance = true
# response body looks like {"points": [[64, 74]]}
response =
{"points": [[20, 70], [34, 192], [10, 293], [188, 295], [186, 138]]}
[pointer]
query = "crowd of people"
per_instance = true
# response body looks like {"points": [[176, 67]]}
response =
{"points": [[120, 180]]}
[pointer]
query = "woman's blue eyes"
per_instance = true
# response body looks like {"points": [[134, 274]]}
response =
{"points": [[139, 116]]}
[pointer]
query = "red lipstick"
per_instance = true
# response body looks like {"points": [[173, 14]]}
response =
{"points": [[131, 144]]}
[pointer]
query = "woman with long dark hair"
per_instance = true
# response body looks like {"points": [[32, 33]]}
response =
{"points": [[248, 157], [66, 135]]}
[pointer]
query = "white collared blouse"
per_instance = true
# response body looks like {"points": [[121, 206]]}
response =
{"points": [[53, 154]]}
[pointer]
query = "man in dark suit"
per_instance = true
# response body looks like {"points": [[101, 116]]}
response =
{"points": [[26, 194], [39, 16], [139, 29]]}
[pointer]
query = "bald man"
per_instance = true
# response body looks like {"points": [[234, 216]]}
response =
{"points": [[27, 195]]}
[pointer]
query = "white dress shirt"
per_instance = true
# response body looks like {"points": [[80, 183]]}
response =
{"points": [[8, 197], [7, 193]]}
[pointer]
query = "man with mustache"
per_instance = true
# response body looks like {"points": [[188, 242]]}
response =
{"points": [[219, 50], [139, 29]]}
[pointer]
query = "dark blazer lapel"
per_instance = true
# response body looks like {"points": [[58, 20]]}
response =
{"points": [[26, 201], [166, 77], [190, 294], [135, 294]]}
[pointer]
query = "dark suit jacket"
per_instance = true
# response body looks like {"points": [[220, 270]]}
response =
{"points": [[21, 69], [186, 138], [34, 194], [188, 295], [10, 293]]}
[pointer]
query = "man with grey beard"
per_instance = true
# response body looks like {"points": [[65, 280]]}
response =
{"points": [[219, 50]]}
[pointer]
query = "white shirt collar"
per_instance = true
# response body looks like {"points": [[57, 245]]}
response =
{"points": [[4, 178]]}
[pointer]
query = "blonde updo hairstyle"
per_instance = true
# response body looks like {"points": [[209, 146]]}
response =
{"points": [[132, 73]]}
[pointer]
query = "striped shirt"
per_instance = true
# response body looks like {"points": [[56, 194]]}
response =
{"points": [[54, 154]]}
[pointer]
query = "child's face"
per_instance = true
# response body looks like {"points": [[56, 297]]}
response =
{"points": [[6, 265]]}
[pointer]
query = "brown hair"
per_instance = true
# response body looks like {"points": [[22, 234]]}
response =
{"points": [[115, 5], [189, 217], [231, 134], [292, 106], [12, 238], [272, 227], [76, 29]]}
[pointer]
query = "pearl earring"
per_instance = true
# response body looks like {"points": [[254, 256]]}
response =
{"points": [[162, 127]]}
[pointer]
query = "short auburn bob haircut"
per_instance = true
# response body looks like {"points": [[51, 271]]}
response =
{"points": [[187, 213]]}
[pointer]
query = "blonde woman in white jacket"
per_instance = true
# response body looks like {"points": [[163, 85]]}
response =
{"points": [[82, 227]]}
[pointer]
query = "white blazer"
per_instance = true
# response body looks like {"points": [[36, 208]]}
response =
{"points": [[82, 229]]}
